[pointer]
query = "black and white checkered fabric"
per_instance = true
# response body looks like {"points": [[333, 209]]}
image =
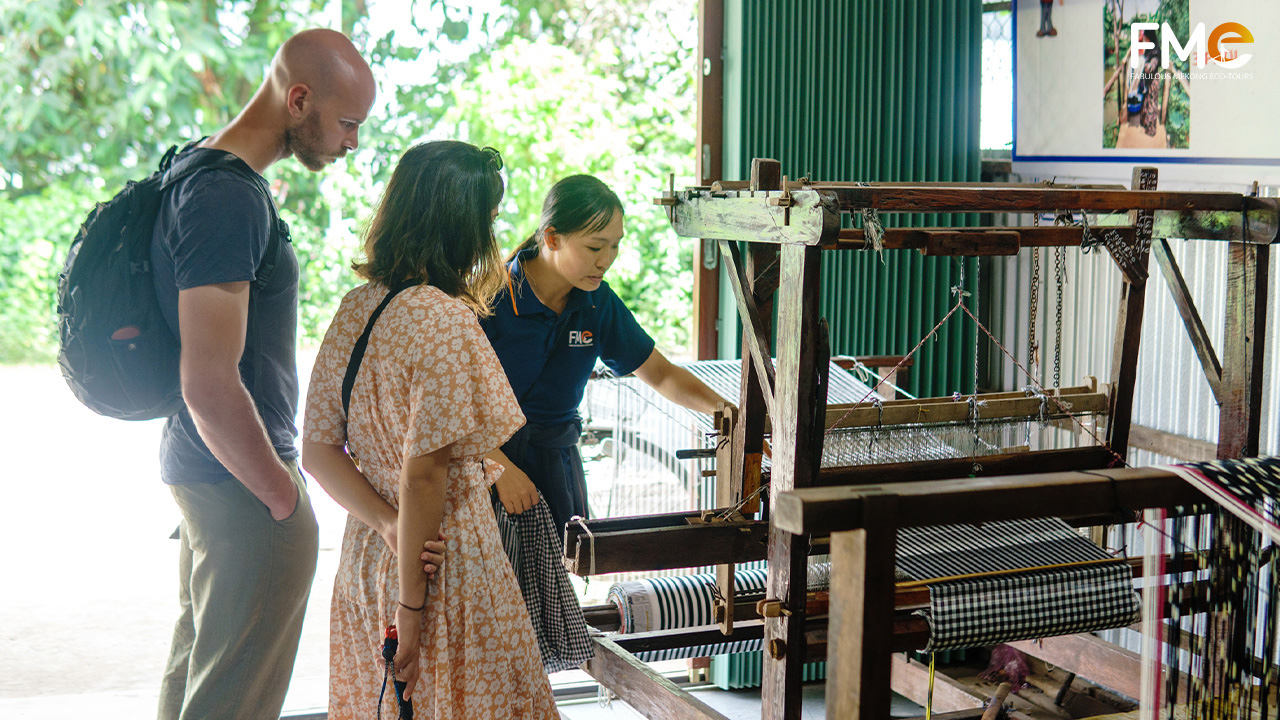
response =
{"points": [[1249, 488], [686, 601], [976, 612], [534, 548], [987, 611]]}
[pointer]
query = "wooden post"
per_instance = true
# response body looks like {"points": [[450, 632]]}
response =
{"points": [[1240, 418], [1133, 297], [796, 433], [748, 434], [710, 73], [861, 624], [728, 494]]}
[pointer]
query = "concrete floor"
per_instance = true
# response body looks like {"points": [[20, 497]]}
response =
{"points": [[88, 592]]}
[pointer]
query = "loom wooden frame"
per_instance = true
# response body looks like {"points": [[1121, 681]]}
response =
{"points": [[788, 226]]}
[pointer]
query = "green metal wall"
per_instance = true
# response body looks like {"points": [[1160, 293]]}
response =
{"points": [[866, 90]]}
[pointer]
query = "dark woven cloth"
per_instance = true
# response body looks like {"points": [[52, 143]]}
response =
{"points": [[534, 548], [1248, 488]]}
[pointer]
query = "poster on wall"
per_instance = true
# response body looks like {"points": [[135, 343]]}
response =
{"points": [[1165, 82]]}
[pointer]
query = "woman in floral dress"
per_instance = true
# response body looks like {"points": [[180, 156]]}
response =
{"points": [[407, 459]]}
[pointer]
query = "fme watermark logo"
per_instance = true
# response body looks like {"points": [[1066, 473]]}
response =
{"points": [[1228, 33]]}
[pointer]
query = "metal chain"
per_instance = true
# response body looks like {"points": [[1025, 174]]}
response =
{"points": [[1033, 351], [1063, 219], [1059, 278]]}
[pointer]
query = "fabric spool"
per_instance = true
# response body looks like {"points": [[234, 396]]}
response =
{"points": [[686, 601], [1047, 581]]}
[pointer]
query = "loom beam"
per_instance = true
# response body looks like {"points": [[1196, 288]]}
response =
{"points": [[991, 406], [663, 542], [755, 331], [825, 510], [651, 694], [1190, 316], [809, 213]]}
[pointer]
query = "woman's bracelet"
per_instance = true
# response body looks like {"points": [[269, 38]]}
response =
{"points": [[410, 608]]}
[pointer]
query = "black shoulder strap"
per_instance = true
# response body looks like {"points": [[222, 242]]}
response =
{"points": [[357, 352], [176, 167]]}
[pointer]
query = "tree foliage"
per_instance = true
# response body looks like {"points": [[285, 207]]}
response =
{"points": [[98, 91]]}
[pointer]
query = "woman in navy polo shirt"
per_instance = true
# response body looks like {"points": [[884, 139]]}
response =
{"points": [[555, 317]]}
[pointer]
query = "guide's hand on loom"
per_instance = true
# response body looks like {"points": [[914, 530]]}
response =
{"points": [[432, 556], [516, 491], [406, 661]]}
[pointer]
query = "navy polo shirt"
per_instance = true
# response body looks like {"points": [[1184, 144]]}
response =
{"points": [[547, 357]]}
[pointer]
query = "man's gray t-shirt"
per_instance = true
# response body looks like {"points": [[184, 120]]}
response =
{"points": [[215, 227]]}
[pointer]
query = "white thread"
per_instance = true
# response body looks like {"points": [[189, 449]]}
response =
{"points": [[582, 523]]}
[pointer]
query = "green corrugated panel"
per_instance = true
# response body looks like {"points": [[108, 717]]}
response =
{"points": [[745, 670], [870, 90]]}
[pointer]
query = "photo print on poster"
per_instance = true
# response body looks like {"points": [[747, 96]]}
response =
{"points": [[1147, 106]]}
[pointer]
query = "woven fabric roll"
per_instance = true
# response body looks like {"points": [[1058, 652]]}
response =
{"points": [[1050, 581], [686, 601]]}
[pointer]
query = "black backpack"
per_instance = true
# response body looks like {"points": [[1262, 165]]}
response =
{"points": [[117, 352]]}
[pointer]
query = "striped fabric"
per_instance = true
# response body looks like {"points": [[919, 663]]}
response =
{"points": [[947, 550], [686, 601]]}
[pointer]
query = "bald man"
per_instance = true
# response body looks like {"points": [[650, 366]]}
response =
{"points": [[227, 279]]}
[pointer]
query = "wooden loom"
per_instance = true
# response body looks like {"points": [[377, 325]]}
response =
{"points": [[787, 227]]}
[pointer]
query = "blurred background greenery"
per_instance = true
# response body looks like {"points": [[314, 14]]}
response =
{"points": [[96, 91]]}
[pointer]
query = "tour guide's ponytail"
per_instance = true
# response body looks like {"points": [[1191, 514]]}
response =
{"points": [[531, 241], [578, 203]]}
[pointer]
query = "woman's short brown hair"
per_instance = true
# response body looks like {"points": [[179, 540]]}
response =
{"points": [[434, 223]]}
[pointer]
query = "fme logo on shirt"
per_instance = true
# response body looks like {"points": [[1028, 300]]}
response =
{"points": [[580, 338]]}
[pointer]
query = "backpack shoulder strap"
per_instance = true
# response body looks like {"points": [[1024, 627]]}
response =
{"points": [[357, 352], [176, 167]]}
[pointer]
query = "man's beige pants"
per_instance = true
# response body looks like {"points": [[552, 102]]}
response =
{"points": [[244, 579]]}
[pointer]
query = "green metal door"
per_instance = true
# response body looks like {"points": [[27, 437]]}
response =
{"points": [[866, 90]]}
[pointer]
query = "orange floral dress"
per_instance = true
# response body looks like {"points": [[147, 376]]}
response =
{"points": [[428, 379]]}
